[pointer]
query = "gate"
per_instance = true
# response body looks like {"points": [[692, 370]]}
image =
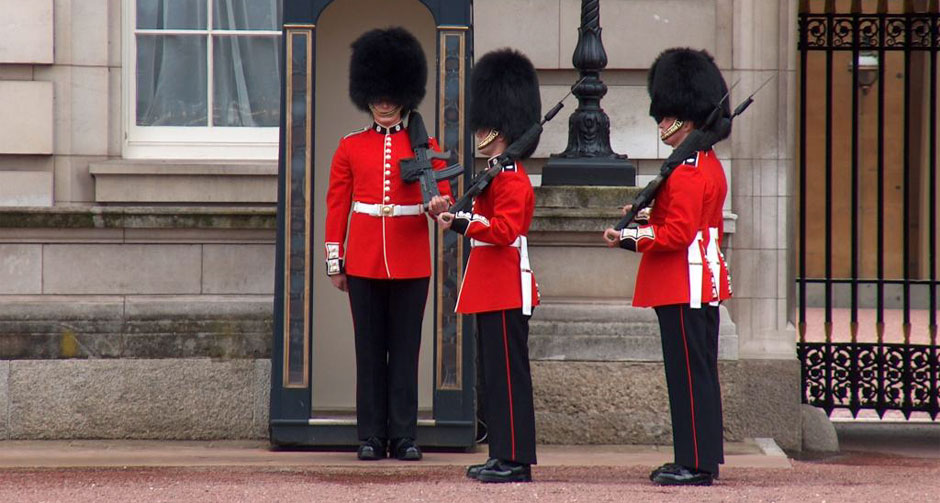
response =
{"points": [[867, 253]]}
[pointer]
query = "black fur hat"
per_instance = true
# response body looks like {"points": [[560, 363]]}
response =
{"points": [[504, 95], [387, 64], [686, 84]]}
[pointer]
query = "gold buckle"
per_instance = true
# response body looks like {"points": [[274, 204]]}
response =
{"points": [[387, 209]]}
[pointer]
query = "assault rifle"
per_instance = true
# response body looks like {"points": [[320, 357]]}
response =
{"points": [[418, 168], [513, 152], [714, 130]]}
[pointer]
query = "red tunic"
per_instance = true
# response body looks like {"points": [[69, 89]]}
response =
{"points": [[669, 239], [716, 191], [365, 169], [502, 213]]}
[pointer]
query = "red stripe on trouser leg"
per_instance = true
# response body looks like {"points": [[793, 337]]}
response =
{"points": [[512, 426], [688, 369]]}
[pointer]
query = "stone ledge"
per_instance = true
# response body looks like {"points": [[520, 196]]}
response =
{"points": [[587, 209], [134, 181], [88, 327], [608, 332], [581, 196], [580, 210], [171, 168], [139, 217]]}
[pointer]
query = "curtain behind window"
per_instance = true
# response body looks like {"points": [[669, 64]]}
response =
{"points": [[172, 70]]}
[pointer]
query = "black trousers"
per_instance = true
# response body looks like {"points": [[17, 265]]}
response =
{"points": [[690, 353], [387, 318], [503, 342]]}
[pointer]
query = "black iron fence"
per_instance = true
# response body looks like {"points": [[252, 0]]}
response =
{"points": [[867, 273]]}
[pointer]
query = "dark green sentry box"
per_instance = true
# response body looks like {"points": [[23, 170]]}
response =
{"points": [[452, 421]]}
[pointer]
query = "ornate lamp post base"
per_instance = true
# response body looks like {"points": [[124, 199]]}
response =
{"points": [[589, 160], [588, 171]]}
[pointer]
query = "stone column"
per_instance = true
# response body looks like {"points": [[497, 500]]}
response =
{"points": [[763, 177]]}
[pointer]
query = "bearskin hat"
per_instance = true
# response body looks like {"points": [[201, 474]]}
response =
{"points": [[387, 64], [504, 95], [686, 84]]}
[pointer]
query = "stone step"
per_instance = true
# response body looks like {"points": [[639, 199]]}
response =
{"points": [[579, 196], [589, 310], [609, 331], [591, 328]]}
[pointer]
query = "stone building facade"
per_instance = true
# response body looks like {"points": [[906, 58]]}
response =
{"points": [[136, 270]]}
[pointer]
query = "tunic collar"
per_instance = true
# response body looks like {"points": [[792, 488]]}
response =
{"points": [[378, 128]]}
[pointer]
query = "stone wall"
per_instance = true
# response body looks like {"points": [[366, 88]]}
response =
{"points": [[120, 322], [626, 402]]}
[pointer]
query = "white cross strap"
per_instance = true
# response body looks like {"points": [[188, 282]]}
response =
{"points": [[525, 270]]}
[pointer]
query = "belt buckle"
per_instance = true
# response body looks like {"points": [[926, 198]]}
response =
{"points": [[387, 209]]}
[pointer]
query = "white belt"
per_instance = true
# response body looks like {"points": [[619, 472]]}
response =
{"points": [[714, 264], [388, 210], [695, 272], [525, 271]]}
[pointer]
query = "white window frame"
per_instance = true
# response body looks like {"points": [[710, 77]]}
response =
{"points": [[167, 142]]}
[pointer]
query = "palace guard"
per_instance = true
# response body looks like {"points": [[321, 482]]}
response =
{"points": [[498, 284], [384, 260], [682, 273]]}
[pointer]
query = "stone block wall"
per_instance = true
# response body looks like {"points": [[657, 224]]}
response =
{"points": [[121, 322], [626, 402]]}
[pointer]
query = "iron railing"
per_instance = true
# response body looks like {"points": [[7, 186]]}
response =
{"points": [[878, 375]]}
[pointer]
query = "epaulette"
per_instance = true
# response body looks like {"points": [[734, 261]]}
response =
{"points": [[363, 130], [491, 162]]}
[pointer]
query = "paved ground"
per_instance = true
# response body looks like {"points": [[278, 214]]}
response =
{"points": [[247, 472]]}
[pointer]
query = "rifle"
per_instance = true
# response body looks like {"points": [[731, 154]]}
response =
{"points": [[418, 168], [512, 153], [714, 130]]}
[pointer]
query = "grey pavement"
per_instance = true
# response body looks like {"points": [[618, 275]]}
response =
{"points": [[911, 439], [878, 462], [761, 453]]}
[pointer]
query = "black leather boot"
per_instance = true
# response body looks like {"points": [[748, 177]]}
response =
{"points": [[506, 471]]}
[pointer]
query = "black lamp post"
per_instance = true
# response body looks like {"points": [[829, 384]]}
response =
{"points": [[588, 159]]}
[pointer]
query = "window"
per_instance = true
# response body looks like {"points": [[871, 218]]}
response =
{"points": [[202, 78]]}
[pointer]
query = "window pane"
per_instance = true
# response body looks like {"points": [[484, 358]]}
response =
{"points": [[246, 14], [171, 14], [246, 73], [171, 81]]}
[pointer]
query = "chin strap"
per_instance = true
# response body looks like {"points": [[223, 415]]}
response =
{"points": [[490, 138], [671, 130]]}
